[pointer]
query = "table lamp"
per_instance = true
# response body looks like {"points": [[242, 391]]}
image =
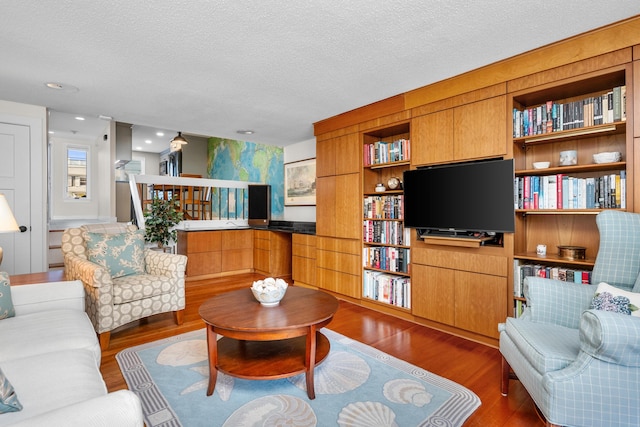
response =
{"points": [[8, 222]]}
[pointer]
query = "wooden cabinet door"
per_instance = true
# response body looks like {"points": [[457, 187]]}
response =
{"points": [[479, 304], [432, 138], [348, 207], [326, 206], [347, 149], [480, 129], [433, 293], [326, 157]]}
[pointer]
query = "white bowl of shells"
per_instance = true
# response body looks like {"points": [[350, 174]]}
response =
{"points": [[269, 291], [607, 157]]}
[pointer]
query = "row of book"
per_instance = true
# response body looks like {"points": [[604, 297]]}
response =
{"points": [[384, 207], [561, 191], [553, 116], [386, 232], [387, 288], [566, 274], [387, 258], [386, 152]]}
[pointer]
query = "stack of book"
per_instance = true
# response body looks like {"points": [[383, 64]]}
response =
{"points": [[386, 258], [386, 232], [384, 207], [561, 191], [387, 288], [552, 116], [565, 274], [386, 152]]}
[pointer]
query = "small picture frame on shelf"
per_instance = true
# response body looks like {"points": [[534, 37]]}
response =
{"points": [[300, 183]]}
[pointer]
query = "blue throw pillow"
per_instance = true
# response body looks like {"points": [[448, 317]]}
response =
{"points": [[8, 399], [121, 254], [6, 303]]}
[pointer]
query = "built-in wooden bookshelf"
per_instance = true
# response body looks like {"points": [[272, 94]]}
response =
{"points": [[386, 277], [558, 205]]}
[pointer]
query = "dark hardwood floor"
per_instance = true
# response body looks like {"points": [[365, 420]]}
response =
{"points": [[473, 365]]}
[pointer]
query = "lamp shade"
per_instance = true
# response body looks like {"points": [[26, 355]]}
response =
{"points": [[7, 220], [179, 139]]}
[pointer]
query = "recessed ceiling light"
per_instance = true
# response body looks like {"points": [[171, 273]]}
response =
{"points": [[159, 133], [51, 132], [138, 148], [79, 118], [245, 132], [148, 141], [61, 87]]}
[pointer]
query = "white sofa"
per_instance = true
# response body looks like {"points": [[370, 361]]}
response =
{"points": [[50, 354]]}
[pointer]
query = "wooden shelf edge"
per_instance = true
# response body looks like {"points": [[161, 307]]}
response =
{"points": [[591, 131], [591, 167], [388, 165], [554, 259], [395, 273]]}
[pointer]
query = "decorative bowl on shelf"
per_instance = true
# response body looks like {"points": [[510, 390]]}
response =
{"points": [[607, 157], [541, 165], [568, 158], [269, 291]]}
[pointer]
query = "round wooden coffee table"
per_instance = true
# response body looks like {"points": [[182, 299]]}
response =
{"points": [[267, 342]]}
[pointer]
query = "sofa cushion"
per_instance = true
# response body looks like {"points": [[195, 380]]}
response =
{"points": [[6, 303], [121, 254], [49, 381], [547, 347], [8, 398], [140, 286], [610, 298], [45, 332]]}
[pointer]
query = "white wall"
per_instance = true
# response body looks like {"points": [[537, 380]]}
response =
{"points": [[292, 153]]}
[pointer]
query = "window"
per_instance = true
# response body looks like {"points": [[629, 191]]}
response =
{"points": [[77, 161]]}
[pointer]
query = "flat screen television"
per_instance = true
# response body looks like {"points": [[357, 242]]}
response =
{"points": [[462, 199]]}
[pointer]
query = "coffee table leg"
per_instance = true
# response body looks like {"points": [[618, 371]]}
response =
{"points": [[212, 347], [310, 361]]}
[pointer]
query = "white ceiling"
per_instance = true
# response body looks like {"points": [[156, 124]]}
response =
{"points": [[213, 67]]}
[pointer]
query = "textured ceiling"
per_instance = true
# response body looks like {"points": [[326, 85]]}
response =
{"points": [[213, 67]]}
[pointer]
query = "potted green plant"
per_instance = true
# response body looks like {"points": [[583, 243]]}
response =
{"points": [[159, 220]]}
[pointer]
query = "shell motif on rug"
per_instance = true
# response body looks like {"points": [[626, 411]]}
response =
{"points": [[367, 414], [339, 373], [273, 411], [407, 391]]}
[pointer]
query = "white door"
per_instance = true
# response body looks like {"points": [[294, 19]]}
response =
{"points": [[15, 185]]}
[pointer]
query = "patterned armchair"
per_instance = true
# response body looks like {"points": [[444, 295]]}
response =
{"points": [[580, 365], [123, 281]]}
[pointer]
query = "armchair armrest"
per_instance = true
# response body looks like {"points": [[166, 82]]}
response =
{"points": [[47, 296], [611, 337], [164, 264], [557, 302], [91, 274]]}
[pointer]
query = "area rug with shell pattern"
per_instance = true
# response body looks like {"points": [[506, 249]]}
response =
{"points": [[356, 385]]}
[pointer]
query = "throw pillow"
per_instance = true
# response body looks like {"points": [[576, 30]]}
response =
{"points": [[8, 399], [6, 303], [610, 298], [121, 254]]}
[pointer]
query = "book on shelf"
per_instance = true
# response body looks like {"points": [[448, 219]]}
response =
{"points": [[386, 232], [387, 288], [519, 307], [395, 260], [384, 207], [562, 191], [553, 116], [566, 274], [380, 152]]}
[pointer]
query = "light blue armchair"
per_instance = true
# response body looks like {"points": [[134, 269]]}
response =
{"points": [[581, 366]]}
